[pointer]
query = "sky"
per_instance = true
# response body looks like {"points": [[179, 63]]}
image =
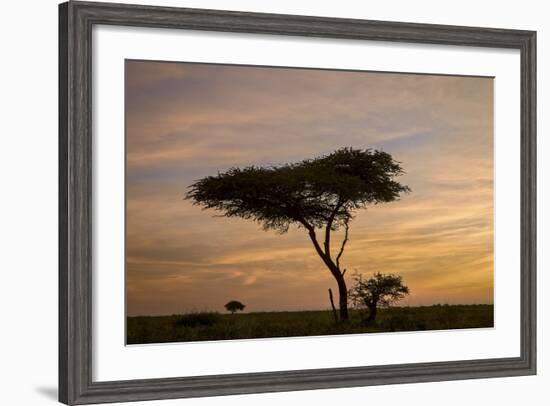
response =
{"points": [[185, 121]]}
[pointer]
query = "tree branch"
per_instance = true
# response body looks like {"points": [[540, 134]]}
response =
{"points": [[328, 228], [346, 225], [326, 259], [313, 237], [332, 305]]}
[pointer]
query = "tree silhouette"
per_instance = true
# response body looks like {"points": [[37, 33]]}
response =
{"points": [[234, 306], [320, 193], [381, 290]]}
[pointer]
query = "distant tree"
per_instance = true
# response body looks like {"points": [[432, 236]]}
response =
{"points": [[320, 193], [234, 306], [381, 290]]}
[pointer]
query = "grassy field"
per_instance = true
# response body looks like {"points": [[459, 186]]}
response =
{"points": [[214, 326]]}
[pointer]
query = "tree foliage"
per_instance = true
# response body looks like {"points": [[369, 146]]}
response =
{"points": [[381, 290], [233, 306], [313, 192]]}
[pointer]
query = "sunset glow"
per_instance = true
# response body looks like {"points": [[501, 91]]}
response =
{"points": [[186, 121]]}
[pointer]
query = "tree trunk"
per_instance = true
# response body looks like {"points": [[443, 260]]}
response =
{"points": [[343, 293], [332, 305], [372, 313], [335, 271]]}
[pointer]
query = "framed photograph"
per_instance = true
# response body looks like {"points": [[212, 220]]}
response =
{"points": [[258, 202]]}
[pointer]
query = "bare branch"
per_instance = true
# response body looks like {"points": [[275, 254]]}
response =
{"points": [[346, 225], [327, 260], [328, 228], [313, 237]]}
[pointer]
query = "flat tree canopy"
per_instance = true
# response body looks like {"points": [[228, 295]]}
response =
{"points": [[309, 193], [314, 193]]}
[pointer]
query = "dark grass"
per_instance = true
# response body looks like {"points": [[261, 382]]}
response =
{"points": [[204, 326]]}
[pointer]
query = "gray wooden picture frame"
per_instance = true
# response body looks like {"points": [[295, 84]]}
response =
{"points": [[76, 20]]}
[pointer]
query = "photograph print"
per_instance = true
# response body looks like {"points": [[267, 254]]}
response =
{"points": [[267, 202]]}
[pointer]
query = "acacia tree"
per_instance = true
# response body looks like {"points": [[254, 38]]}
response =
{"points": [[313, 194], [234, 306], [381, 290]]}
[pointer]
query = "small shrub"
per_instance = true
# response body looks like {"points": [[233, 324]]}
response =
{"points": [[379, 291], [198, 319]]}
